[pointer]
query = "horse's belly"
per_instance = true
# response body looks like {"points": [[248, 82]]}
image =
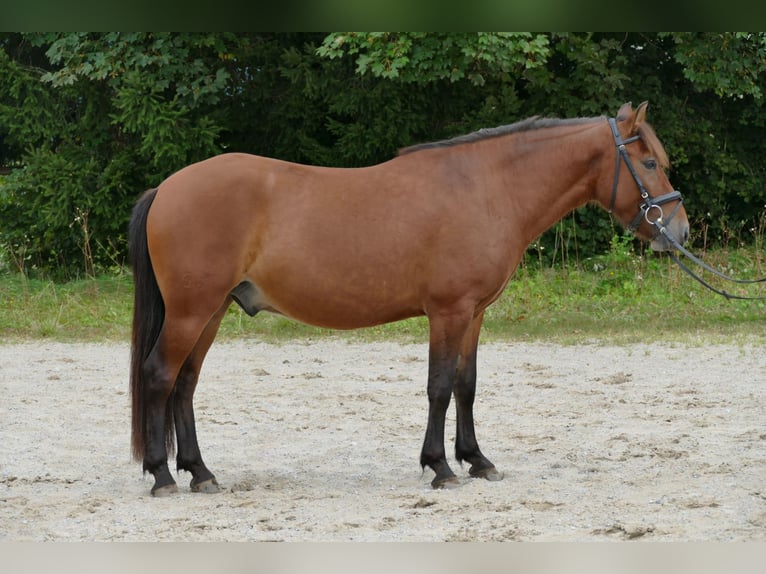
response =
{"points": [[340, 308]]}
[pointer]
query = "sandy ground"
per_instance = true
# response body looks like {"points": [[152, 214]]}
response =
{"points": [[319, 441]]}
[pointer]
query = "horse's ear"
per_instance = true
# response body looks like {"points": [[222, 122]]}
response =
{"points": [[640, 116], [626, 110]]}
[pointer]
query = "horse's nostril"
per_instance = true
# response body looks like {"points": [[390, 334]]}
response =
{"points": [[685, 235]]}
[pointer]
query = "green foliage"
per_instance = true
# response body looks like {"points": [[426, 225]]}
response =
{"points": [[90, 120], [725, 63], [155, 83], [425, 57]]}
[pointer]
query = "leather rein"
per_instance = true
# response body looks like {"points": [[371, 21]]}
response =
{"points": [[650, 203]]}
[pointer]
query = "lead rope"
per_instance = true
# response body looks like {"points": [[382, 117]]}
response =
{"points": [[672, 240]]}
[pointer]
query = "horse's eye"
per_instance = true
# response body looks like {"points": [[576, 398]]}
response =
{"points": [[650, 164]]}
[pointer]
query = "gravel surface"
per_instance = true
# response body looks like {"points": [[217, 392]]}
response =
{"points": [[320, 440]]}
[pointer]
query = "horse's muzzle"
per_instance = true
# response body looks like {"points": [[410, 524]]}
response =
{"points": [[679, 229]]}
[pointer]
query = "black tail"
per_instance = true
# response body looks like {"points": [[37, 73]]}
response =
{"points": [[148, 316]]}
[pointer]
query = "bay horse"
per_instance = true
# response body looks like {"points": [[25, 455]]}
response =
{"points": [[436, 231]]}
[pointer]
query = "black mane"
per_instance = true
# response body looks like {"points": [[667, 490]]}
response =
{"points": [[533, 123]]}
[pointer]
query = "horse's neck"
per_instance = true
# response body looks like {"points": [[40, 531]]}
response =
{"points": [[555, 175]]}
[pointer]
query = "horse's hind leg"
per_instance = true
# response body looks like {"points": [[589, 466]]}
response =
{"points": [[466, 445], [189, 457], [176, 341]]}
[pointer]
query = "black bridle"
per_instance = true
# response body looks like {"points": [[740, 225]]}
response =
{"points": [[659, 223], [649, 202]]}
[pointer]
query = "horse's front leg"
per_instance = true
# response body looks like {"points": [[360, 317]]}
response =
{"points": [[447, 331], [466, 445]]}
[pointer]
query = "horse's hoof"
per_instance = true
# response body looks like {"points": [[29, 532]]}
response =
{"points": [[209, 486], [491, 474], [446, 483], [166, 490]]}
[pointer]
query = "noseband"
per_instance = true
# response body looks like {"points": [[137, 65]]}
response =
{"points": [[648, 202]]}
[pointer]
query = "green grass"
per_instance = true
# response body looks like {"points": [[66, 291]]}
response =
{"points": [[86, 310], [616, 298]]}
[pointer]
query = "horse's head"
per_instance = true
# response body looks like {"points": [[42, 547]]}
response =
{"points": [[641, 196]]}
